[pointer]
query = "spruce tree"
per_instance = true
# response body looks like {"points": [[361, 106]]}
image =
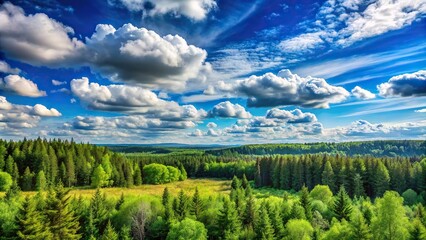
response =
{"points": [[109, 233], [167, 201], [137, 176], [359, 228], [120, 202], [235, 184], [62, 222], [181, 206], [31, 225], [249, 218], [228, 222], [264, 229], [381, 180], [358, 188], [99, 210], [305, 202], [27, 180], [41, 182], [276, 221], [328, 177], [244, 182], [342, 207], [197, 206], [183, 175]]}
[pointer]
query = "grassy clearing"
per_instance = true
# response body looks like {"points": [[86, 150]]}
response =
{"points": [[207, 187]]}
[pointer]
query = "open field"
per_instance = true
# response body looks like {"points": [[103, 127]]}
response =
{"points": [[207, 187]]}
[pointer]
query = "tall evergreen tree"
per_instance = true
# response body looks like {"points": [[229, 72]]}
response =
{"points": [[228, 222], [381, 180], [99, 210], [358, 188], [249, 218], [244, 182], [181, 206], [305, 202], [62, 222], [197, 206], [328, 176], [31, 225], [167, 201], [342, 207], [109, 233], [27, 180], [276, 221], [359, 228], [137, 176], [41, 182], [264, 229]]}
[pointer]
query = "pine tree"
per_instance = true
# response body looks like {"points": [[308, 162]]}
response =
{"points": [[120, 202], [244, 182], [99, 209], [167, 201], [328, 176], [31, 225], [197, 206], [235, 184], [249, 218], [305, 202], [62, 222], [358, 188], [137, 176], [381, 180], [276, 221], [27, 180], [41, 182], [181, 206], [228, 221], [183, 175], [264, 229], [109, 233], [359, 228], [342, 207]]}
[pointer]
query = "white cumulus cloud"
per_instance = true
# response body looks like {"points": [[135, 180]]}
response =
{"points": [[361, 93], [21, 86]]}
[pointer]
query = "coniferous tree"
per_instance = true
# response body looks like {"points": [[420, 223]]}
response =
{"points": [[276, 221], [120, 202], [328, 176], [109, 233], [27, 180], [99, 210], [61, 220], [183, 174], [228, 222], [358, 188], [249, 218], [167, 201], [235, 184], [305, 202], [137, 176], [381, 180], [31, 225], [244, 182], [342, 207], [359, 228], [181, 206], [41, 182], [197, 206], [264, 229]]}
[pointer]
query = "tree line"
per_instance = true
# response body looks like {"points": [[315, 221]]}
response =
{"points": [[314, 214], [388, 148], [361, 176]]}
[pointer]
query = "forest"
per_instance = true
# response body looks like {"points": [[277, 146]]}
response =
{"points": [[285, 195]]}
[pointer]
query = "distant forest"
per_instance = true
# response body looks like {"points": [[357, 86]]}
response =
{"points": [[389, 148]]}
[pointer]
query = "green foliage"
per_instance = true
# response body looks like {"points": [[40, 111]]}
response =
{"points": [[410, 197], [41, 182], [181, 206], [359, 228], [155, 173], [342, 207], [109, 233], [31, 225], [417, 231], [5, 181], [328, 177], [381, 180], [322, 193], [390, 221], [264, 229], [137, 176], [299, 229], [99, 177], [60, 217], [197, 206], [228, 221], [339, 230], [187, 229], [305, 202]]}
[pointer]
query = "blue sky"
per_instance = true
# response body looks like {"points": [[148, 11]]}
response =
{"points": [[211, 71]]}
